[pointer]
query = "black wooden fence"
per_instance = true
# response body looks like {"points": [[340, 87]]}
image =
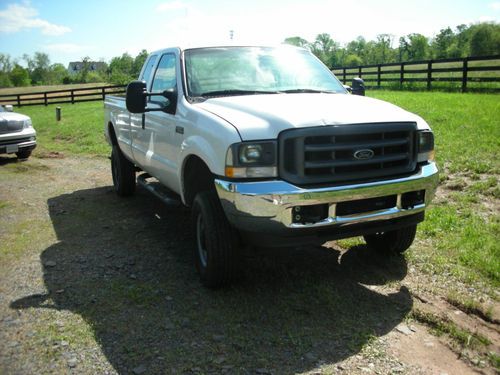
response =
{"points": [[74, 95], [465, 74]]}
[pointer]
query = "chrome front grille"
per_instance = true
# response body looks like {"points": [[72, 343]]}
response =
{"points": [[10, 126], [347, 153]]}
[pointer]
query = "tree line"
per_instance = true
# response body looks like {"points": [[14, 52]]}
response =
{"points": [[38, 70], [479, 39]]}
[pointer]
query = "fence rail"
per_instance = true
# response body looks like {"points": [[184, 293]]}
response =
{"points": [[75, 95], [465, 74]]}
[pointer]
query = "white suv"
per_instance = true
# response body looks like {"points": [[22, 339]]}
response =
{"points": [[16, 133]]}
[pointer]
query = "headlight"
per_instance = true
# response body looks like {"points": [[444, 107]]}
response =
{"points": [[425, 146], [251, 159], [27, 124]]}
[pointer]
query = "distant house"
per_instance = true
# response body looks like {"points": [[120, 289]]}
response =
{"points": [[76, 66]]}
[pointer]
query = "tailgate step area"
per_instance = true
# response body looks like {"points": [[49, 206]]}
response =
{"points": [[154, 186]]}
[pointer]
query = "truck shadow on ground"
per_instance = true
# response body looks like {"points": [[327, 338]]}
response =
{"points": [[125, 266]]}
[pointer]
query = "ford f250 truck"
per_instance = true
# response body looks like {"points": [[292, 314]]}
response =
{"points": [[267, 146]]}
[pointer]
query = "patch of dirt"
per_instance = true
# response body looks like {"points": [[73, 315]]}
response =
{"points": [[100, 284], [427, 353]]}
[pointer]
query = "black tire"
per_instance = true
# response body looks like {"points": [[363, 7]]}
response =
{"points": [[123, 172], [216, 250], [23, 154], [392, 242]]}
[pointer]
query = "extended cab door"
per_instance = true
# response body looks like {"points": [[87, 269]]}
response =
{"points": [[159, 138]]}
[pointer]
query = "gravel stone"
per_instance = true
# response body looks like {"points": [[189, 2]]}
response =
{"points": [[141, 369]]}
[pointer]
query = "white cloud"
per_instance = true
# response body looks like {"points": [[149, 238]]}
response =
{"points": [[17, 17], [486, 19], [169, 6], [65, 47], [495, 5]]}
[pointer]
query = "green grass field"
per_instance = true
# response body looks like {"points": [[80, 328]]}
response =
{"points": [[462, 229], [464, 226], [80, 131]]}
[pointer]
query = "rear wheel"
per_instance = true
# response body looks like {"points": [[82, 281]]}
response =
{"points": [[23, 154], [215, 249], [392, 242], [123, 172]]}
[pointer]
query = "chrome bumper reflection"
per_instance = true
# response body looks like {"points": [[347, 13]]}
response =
{"points": [[266, 206]]}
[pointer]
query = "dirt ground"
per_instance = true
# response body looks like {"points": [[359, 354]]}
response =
{"points": [[91, 283]]}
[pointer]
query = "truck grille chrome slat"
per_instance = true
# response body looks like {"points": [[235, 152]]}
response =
{"points": [[11, 126], [347, 153]]}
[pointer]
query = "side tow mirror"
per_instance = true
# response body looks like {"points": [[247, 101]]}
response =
{"points": [[136, 97], [358, 86], [348, 88], [171, 95]]}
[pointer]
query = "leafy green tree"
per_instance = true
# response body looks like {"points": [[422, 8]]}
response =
{"points": [[352, 60], [121, 69], [19, 76], [39, 75], [325, 48], [413, 47], [442, 43], [138, 63], [57, 74], [358, 47], [485, 39], [5, 68], [297, 41]]}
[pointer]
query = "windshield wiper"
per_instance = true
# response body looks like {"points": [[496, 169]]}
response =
{"points": [[307, 91], [235, 92]]}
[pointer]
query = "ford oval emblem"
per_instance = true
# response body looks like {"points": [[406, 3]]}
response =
{"points": [[364, 154]]}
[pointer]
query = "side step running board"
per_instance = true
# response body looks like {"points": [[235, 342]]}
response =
{"points": [[154, 186]]}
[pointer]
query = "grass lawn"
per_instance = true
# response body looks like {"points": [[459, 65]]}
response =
{"points": [[107, 284], [80, 131], [463, 228]]}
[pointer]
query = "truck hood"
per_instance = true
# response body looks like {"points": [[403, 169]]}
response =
{"points": [[12, 116], [265, 116]]}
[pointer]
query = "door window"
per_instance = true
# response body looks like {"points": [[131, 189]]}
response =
{"points": [[146, 74], [165, 78]]}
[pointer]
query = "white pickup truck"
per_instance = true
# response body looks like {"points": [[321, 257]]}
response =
{"points": [[268, 147]]}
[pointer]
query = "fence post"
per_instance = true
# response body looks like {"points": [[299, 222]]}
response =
{"points": [[344, 79], [18, 100], [45, 98], [402, 75], [72, 97], [379, 68], [429, 75], [103, 93], [464, 75], [359, 71]]}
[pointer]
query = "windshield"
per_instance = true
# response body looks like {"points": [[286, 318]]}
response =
{"points": [[256, 70]]}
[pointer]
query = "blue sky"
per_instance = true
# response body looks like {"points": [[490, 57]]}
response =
{"points": [[69, 30]]}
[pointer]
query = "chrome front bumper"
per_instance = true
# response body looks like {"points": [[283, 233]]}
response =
{"points": [[266, 206]]}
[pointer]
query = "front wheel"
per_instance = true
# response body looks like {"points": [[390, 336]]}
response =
{"points": [[215, 247], [23, 154], [123, 172], [392, 242]]}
